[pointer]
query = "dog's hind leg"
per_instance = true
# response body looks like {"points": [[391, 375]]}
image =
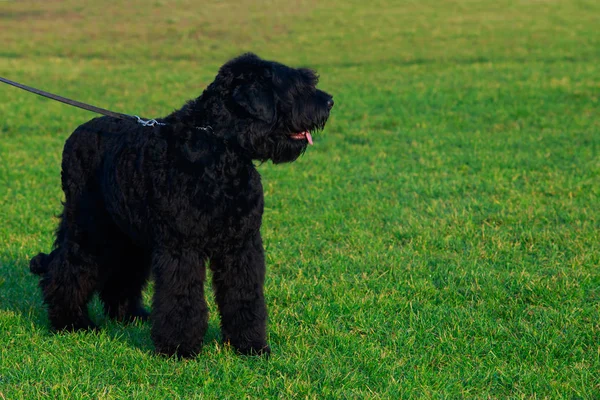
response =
{"points": [[121, 293], [238, 279], [74, 269], [179, 312], [67, 286], [70, 273]]}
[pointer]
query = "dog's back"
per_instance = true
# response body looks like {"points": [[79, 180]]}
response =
{"points": [[85, 148]]}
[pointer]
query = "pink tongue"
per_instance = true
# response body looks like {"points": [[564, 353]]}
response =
{"points": [[308, 137]]}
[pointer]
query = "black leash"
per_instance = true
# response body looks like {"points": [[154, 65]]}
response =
{"points": [[79, 104]]}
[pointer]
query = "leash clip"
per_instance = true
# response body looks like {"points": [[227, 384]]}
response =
{"points": [[206, 128], [150, 122]]}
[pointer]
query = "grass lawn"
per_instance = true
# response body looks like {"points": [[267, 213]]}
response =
{"points": [[441, 239]]}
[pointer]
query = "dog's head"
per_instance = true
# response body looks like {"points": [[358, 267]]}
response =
{"points": [[273, 109]]}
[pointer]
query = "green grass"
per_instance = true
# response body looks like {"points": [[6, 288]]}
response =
{"points": [[440, 240]]}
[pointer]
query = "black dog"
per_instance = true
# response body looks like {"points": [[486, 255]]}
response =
{"points": [[170, 198]]}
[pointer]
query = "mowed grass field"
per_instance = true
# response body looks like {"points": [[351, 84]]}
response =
{"points": [[441, 239]]}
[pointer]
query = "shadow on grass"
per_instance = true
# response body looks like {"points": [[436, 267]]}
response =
{"points": [[20, 295], [137, 334], [19, 291]]}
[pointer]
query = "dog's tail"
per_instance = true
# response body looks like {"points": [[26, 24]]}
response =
{"points": [[39, 264]]}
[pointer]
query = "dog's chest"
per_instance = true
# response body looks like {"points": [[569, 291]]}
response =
{"points": [[221, 211], [212, 207]]}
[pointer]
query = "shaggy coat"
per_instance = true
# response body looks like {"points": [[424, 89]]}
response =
{"points": [[172, 198]]}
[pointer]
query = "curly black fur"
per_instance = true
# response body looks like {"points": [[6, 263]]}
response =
{"points": [[171, 199]]}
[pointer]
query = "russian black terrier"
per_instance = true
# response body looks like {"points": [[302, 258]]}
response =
{"points": [[171, 198]]}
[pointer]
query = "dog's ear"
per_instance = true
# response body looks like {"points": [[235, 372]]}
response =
{"points": [[257, 101]]}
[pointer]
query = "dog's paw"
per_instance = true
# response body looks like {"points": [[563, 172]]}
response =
{"points": [[179, 352], [252, 349], [139, 314], [81, 324], [127, 314]]}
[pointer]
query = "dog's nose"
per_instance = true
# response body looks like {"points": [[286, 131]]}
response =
{"points": [[330, 103]]}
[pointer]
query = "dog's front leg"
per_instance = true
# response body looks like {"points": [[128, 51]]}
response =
{"points": [[238, 278], [179, 313]]}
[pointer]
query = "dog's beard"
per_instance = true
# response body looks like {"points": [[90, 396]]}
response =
{"points": [[289, 147], [287, 150], [284, 143]]}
